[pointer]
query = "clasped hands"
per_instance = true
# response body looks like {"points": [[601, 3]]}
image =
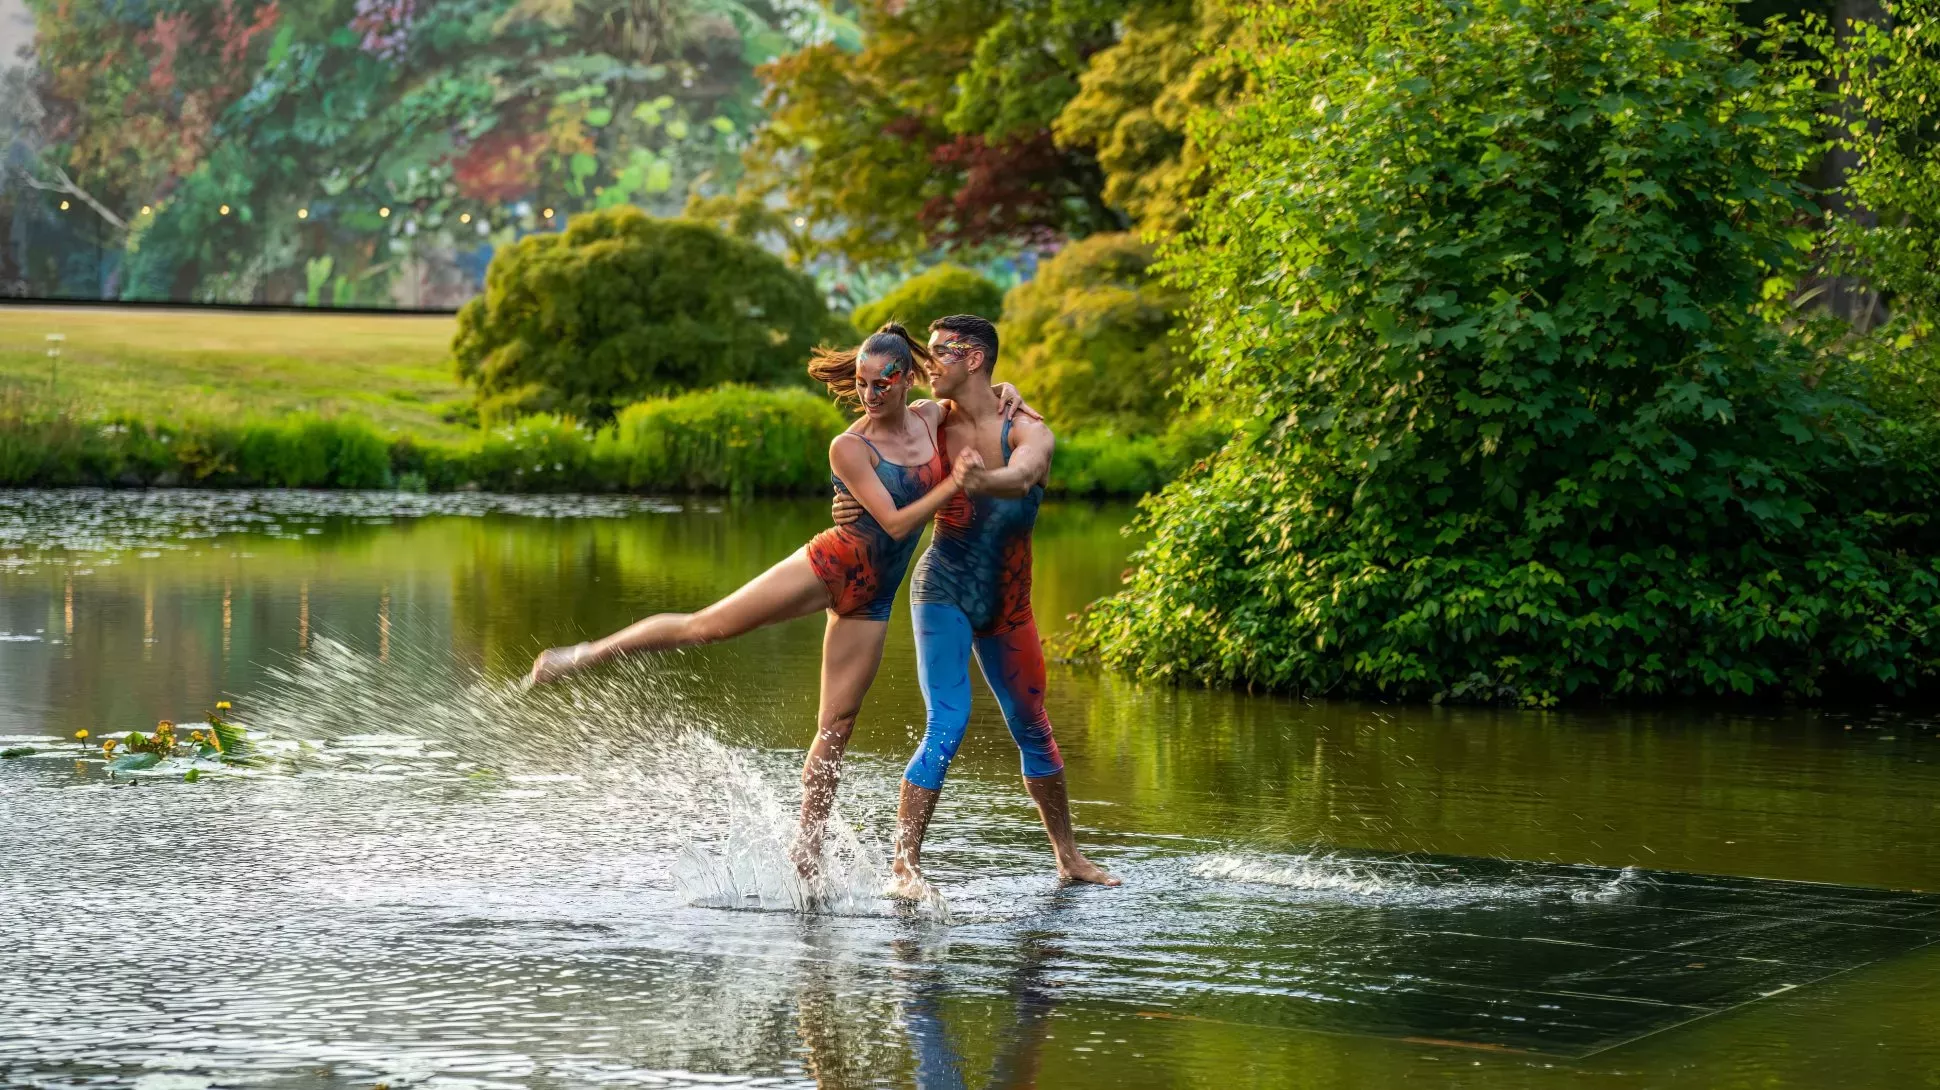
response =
{"points": [[968, 469]]}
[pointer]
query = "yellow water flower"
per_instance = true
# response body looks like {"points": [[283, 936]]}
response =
{"points": [[82, 733], [222, 705]]}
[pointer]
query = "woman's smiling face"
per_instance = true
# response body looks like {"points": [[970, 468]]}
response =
{"points": [[882, 382]]}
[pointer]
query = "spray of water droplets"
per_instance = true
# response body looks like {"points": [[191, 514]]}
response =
{"points": [[630, 732]]}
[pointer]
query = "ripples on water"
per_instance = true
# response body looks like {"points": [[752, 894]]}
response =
{"points": [[442, 881], [85, 525], [445, 876]]}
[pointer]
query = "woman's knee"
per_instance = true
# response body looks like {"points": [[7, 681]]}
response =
{"points": [[837, 727]]}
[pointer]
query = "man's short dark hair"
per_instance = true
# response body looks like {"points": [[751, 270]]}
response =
{"points": [[978, 331]]}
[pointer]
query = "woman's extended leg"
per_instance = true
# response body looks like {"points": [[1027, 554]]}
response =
{"points": [[851, 655], [784, 592]]}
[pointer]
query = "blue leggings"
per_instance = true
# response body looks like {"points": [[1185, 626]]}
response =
{"points": [[1013, 667]]}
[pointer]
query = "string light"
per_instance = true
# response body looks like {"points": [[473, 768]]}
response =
{"points": [[224, 210], [145, 210], [63, 206], [303, 213], [384, 212], [548, 213], [465, 217]]}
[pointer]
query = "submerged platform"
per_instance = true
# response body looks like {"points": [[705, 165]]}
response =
{"points": [[1506, 956]]}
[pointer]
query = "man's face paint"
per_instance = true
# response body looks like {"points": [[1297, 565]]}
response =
{"points": [[950, 355]]}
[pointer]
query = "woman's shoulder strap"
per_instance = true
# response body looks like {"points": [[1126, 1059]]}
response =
{"points": [[865, 441]]}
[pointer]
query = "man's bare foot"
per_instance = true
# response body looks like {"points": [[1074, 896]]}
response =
{"points": [[906, 884], [555, 663], [1084, 870]]}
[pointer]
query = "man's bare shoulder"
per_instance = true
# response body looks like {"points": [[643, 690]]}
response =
{"points": [[1029, 427]]}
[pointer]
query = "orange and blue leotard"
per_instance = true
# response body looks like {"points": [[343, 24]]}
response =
{"points": [[860, 563], [972, 594]]}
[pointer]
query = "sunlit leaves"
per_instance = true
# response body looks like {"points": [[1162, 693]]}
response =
{"points": [[1488, 273]]}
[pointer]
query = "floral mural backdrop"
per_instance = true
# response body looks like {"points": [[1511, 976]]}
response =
{"points": [[356, 152]]}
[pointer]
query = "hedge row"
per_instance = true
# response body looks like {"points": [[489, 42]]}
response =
{"points": [[731, 439]]}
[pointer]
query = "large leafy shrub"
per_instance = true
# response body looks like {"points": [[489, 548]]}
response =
{"points": [[927, 296], [1090, 338], [1480, 279], [622, 306]]}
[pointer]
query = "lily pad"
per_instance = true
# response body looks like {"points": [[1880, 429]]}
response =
{"points": [[16, 751], [131, 762]]}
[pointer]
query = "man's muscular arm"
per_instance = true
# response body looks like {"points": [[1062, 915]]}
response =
{"points": [[1030, 462]]}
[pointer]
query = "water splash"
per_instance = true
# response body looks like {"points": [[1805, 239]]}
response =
{"points": [[742, 858], [630, 732], [1314, 873], [1627, 884]]}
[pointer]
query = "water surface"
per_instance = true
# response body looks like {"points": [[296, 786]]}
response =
{"points": [[447, 883]]}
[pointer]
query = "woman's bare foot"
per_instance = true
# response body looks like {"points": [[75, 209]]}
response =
{"points": [[1081, 869], [555, 663], [807, 857]]}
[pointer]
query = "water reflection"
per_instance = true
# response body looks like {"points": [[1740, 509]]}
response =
{"points": [[466, 886]]}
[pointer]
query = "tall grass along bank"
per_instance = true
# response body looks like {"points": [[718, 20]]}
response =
{"points": [[731, 439]]}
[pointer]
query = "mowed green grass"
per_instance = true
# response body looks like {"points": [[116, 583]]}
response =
{"points": [[392, 370]]}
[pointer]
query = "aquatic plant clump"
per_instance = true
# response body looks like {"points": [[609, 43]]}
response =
{"points": [[1487, 286], [208, 747]]}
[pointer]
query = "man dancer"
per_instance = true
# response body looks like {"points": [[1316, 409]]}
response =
{"points": [[972, 591]]}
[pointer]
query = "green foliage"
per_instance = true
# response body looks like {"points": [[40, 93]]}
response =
{"points": [[294, 451], [927, 296], [462, 115], [1026, 64], [1098, 461], [623, 306], [1091, 337], [1479, 281], [936, 133], [1892, 72], [731, 439], [1136, 99]]}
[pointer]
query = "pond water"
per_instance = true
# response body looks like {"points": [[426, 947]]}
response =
{"points": [[433, 879]]}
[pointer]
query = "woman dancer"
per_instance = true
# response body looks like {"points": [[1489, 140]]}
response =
{"points": [[891, 463]]}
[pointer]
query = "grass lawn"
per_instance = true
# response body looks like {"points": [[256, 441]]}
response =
{"points": [[392, 370]]}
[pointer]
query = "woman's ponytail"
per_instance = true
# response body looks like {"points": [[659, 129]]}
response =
{"points": [[835, 367]]}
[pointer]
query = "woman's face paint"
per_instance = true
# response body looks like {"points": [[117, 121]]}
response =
{"points": [[877, 381]]}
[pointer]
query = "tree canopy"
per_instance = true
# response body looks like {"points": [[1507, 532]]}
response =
{"points": [[1091, 338], [363, 150]]}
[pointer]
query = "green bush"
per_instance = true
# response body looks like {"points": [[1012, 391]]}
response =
{"points": [[1479, 283], [622, 306], [1102, 462], [731, 439], [1090, 338], [922, 299]]}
